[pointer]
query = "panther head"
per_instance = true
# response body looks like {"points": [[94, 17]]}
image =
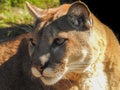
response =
{"points": [[60, 41]]}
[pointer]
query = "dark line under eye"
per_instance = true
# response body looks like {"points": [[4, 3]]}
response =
{"points": [[31, 40], [59, 41]]}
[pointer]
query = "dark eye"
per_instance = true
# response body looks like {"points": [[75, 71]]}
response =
{"points": [[32, 41], [59, 41]]}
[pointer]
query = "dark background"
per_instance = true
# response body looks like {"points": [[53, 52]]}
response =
{"points": [[106, 10]]}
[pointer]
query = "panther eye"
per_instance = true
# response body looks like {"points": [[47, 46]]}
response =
{"points": [[59, 41], [32, 41]]}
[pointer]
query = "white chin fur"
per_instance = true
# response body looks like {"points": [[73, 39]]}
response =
{"points": [[50, 77], [45, 80], [50, 81]]}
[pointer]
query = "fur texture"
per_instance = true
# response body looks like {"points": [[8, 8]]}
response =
{"points": [[9, 48], [70, 49]]}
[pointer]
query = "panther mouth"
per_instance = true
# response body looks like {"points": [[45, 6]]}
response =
{"points": [[36, 73], [47, 79]]}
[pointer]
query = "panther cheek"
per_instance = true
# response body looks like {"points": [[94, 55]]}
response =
{"points": [[84, 55], [49, 72]]}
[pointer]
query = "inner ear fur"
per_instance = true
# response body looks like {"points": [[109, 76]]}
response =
{"points": [[39, 13], [79, 16], [35, 11]]}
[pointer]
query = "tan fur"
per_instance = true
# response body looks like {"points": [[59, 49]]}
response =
{"points": [[97, 55], [103, 73], [9, 48], [109, 56]]}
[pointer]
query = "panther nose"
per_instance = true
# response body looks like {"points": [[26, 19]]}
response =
{"points": [[36, 70], [36, 64], [38, 67]]}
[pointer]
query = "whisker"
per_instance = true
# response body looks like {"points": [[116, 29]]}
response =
{"points": [[74, 68], [77, 64]]}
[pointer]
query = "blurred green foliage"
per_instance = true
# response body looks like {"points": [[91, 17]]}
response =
{"points": [[15, 11], [15, 18], [21, 3]]}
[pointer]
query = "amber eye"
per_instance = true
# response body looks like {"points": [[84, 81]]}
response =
{"points": [[59, 41], [32, 41]]}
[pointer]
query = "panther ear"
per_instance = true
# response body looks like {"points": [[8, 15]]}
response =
{"points": [[35, 11], [39, 13], [79, 16]]}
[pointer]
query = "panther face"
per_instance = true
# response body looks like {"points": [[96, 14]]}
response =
{"points": [[60, 42]]}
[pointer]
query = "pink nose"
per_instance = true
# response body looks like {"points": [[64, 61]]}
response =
{"points": [[39, 68]]}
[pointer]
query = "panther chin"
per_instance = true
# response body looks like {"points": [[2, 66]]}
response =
{"points": [[49, 80], [48, 77]]}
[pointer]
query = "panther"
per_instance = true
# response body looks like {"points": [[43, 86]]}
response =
{"points": [[71, 43], [69, 49]]}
